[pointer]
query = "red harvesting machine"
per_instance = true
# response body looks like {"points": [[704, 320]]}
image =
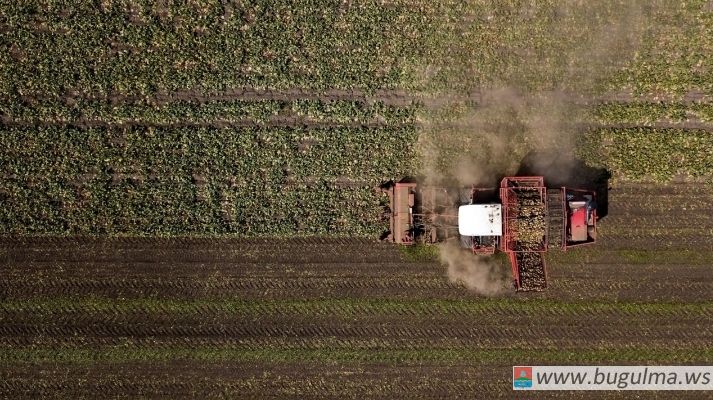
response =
{"points": [[521, 218]]}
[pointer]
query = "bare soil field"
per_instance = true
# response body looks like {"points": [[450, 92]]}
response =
{"points": [[346, 318]]}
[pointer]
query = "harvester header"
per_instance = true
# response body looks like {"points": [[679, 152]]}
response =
{"points": [[522, 218]]}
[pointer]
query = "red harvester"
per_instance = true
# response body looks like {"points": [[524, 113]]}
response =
{"points": [[522, 218]]}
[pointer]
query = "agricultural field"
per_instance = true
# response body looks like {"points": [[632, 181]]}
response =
{"points": [[190, 203], [347, 318]]}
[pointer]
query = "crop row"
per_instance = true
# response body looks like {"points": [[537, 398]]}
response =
{"points": [[139, 47], [309, 383], [221, 286], [648, 113], [478, 44], [142, 47], [658, 231], [661, 208], [182, 209], [347, 386], [674, 54], [247, 153], [560, 46], [191, 113], [632, 256], [200, 180], [648, 153], [663, 219]]}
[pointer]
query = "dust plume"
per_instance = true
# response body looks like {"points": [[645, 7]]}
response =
{"points": [[478, 273], [527, 90], [535, 97], [554, 59], [489, 141]]}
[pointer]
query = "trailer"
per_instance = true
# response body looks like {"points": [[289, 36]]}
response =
{"points": [[521, 218], [525, 229]]}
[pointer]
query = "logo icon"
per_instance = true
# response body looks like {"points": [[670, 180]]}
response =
{"points": [[521, 377]]}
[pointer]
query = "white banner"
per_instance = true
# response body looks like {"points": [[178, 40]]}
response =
{"points": [[612, 378]]}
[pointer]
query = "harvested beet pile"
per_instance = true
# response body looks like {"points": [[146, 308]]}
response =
{"points": [[532, 271], [529, 223]]}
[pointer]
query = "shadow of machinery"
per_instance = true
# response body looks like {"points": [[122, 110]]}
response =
{"points": [[564, 170]]}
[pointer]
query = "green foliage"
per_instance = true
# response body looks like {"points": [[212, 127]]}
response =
{"points": [[120, 105], [595, 255], [131, 101], [649, 113], [141, 47], [675, 51], [216, 113], [648, 153], [180, 181], [420, 253]]}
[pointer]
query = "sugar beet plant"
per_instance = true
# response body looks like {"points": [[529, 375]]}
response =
{"points": [[120, 117], [649, 153], [141, 47], [246, 181], [208, 113]]}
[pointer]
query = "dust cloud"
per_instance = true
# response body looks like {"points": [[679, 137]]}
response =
{"points": [[539, 100], [490, 140], [535, 105], [478, 273]]}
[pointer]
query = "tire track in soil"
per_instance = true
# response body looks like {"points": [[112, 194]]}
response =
{"points": [[224, 287], [239, 268], [567, 282], [693, 96], [241, 379], [397, 335], [93, 313], [79, 249], [289, 380], [635, 242], [394, 97]]}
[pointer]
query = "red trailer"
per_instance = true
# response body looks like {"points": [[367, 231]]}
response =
{"points": [[522, 218]]}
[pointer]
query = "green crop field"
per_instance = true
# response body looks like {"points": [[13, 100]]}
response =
{"points": [[232, 116], [190, 192]]}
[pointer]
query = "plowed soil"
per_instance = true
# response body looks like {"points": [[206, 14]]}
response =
{"points": [[347, 318]]}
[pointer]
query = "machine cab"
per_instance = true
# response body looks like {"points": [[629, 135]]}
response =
{"points": [[480, 220], [480, 227], [581, 220]]}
